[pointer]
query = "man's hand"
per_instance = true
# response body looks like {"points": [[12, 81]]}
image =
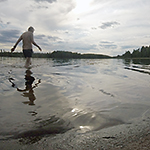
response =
{"points": [[40, 49], [12, 49]]}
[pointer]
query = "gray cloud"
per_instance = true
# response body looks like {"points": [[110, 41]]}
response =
{"points": [[41, 5], [2, 0], [73, 46], [9, 35], [86, 47], [105, 42], [49, 1], [42, 37], [93, 28], [54, 38], [52, 16], [107, 45], [49, 42], [3, 23], [108, 24], [129, 47]]}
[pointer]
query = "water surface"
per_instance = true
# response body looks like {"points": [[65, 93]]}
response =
{"points": [[81, 95]]}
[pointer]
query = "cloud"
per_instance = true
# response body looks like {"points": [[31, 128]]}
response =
{"points": [[2, 0], [93, 28], [9, 36], [129, 47], [53, 16], [54, 38], [3, 24], [107, 45], [73, 46], [86, 47], [108, 24], [49, 1], [42, 36]]}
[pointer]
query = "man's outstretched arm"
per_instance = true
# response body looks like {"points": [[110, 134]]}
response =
{"points": [[16, 44], [37, 46]]}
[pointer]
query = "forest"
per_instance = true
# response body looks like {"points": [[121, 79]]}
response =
{"points": [[56, 54], [142, 52]]}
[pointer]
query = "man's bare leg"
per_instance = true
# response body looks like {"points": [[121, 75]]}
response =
{"points": [[28, 62]]}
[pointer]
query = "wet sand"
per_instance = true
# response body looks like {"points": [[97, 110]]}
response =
{"points": [[126, 136]]}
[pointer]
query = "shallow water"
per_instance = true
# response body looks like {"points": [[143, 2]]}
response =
{"points": [[80, 94]]}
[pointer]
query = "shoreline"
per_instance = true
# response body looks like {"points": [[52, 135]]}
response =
{"points": [[126, 136]]}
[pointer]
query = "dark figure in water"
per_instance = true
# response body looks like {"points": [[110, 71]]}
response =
{"points": [[28, 91]]}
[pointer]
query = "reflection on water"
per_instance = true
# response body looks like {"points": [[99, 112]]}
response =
{"points": [[77, 95], [28, 91], [136, 61], [139, 65]]}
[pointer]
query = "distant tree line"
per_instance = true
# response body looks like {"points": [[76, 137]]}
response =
{"points": [[55, 54], [139, 53], [65, 54]]}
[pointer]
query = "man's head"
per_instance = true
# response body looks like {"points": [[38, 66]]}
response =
{"points": [[31, 29]]}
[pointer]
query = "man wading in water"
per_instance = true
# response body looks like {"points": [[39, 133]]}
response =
{"points": [[28, 40]]}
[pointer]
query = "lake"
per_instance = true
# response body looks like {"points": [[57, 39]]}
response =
{"points": [[81, 95]]}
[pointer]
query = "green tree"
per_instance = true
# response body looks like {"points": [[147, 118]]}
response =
{"points": [[127, 54]]}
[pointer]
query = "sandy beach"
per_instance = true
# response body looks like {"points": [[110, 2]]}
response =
{"points": [[77, 104]]}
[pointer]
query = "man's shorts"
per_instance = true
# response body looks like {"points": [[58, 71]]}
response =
{"points": [[27, 52]]}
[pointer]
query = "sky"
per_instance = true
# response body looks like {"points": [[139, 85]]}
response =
{"points": [[109, 27]]}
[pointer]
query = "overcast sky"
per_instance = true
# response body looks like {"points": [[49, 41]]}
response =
{"points": [[108, 27]]}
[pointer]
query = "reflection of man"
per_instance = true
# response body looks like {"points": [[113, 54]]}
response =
{"points": [[28, 40], [30, 94]]}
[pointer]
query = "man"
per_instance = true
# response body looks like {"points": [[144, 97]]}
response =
{"points": [[28, 40]]}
